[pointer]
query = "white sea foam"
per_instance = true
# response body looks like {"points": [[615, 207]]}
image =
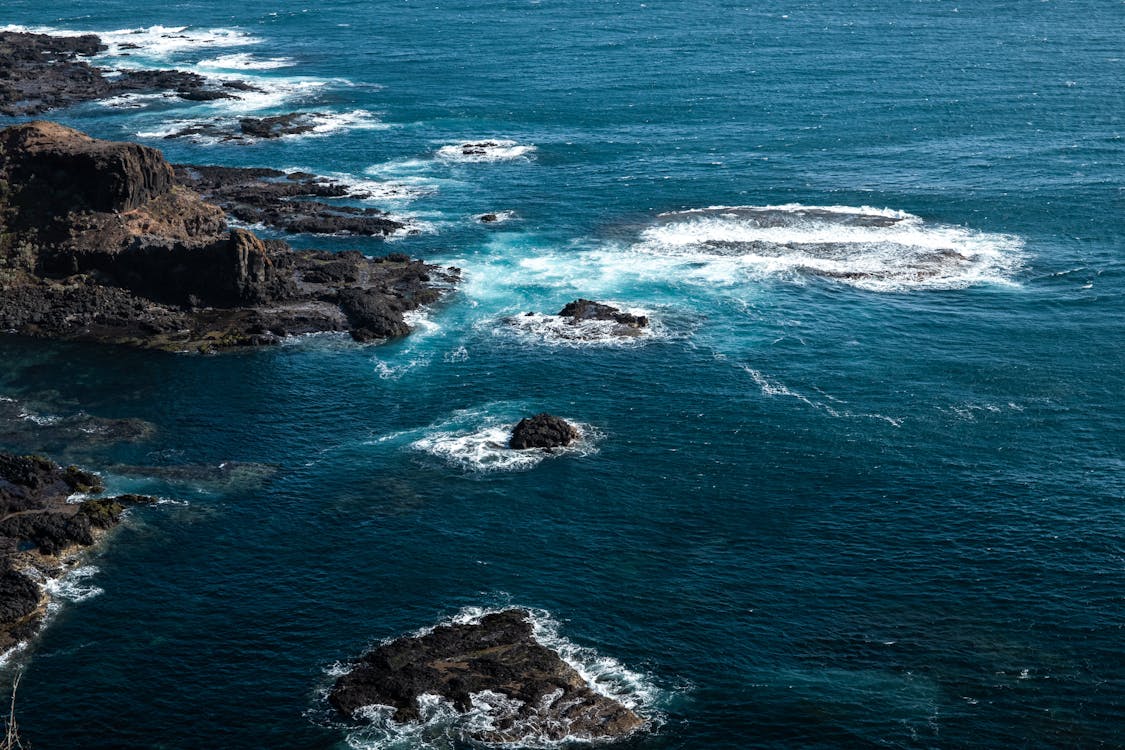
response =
{"points": [[153, 41], [879, 250], [485, 151], [223, 129], [72, 586], [442, 727], [555, 330], [477, 441], [245, 61]]}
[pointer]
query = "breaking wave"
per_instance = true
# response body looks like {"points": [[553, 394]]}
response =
{"points": [[878, 250], [485, 151]]}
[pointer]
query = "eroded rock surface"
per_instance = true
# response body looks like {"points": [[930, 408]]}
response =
{"points": [[98, 241], [543, 431], [285, 200], [38, 528], [40, 72], [548, 699]]}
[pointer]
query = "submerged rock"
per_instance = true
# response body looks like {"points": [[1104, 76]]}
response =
{"points": [[543, 431], [38, 527], [99, 242], [547, 699]]}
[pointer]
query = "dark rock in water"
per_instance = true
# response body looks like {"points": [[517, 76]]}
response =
{"points": [[499, 654], [38, 526], [41, 72], [488, 218], [293, 123], [584, 309], [275, 199], [99, 242], [542, 431]]}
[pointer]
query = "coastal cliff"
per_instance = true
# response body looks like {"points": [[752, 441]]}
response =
{"points": [[99, 242]]}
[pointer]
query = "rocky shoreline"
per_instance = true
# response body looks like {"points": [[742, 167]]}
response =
{"points": [[44, 72], [100, 242], [532, 694], [42, 535]]}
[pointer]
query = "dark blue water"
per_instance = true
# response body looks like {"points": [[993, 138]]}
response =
{"points": [[851, 493]]}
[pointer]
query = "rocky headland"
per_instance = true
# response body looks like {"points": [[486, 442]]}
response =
{"points": [[100, 242], [40, 72], [547, 699], [42, 534]]}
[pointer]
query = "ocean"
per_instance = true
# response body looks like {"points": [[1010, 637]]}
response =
{"points": [[862, 484]]}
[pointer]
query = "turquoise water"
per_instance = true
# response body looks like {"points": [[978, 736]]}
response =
{"points": [[851, 492]]}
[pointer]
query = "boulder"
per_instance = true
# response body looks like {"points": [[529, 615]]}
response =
{"points": [[542, 431], [550, 700], [584, 309]]}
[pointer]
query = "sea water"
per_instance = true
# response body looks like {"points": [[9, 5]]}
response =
{"points": [[860, 485]]}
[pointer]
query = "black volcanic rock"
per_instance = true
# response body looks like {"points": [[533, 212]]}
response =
{"points": [[499, 654], [282, 201], [542, 431], [37, 526], [99, 242], [39, 72], [584, 309]]}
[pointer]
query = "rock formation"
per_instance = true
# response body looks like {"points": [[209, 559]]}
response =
{"points": [[266, 196], [583, 309], [39, 529], [42, 72], [99, 242], [542, 431], [550, 701]]}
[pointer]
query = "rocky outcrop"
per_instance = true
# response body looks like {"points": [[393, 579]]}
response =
{"points": [[98, 241], [283, 201], [583, 309], [39, 72], [549, 699], [250, 129], [39, 530], [544, 431]]}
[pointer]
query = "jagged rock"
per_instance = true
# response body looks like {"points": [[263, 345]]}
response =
{"points": [[37, 525], [542, 431], [41, 72], [584, 309], [276, 199], [499, 654], [97, 242]]}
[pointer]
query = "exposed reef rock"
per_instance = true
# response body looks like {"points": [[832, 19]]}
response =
{"points": [[583, 309], [548, 700], [543, 431], [39, 72], [99, 242], [280, 200], [250, 129], [40, 532]]}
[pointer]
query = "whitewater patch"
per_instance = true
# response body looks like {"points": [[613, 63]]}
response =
{"points": [[476, 441], [245, 61], [881, 250], [220, 129], [485, 151], [158, 42], [442, 727], [562, 331]]}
